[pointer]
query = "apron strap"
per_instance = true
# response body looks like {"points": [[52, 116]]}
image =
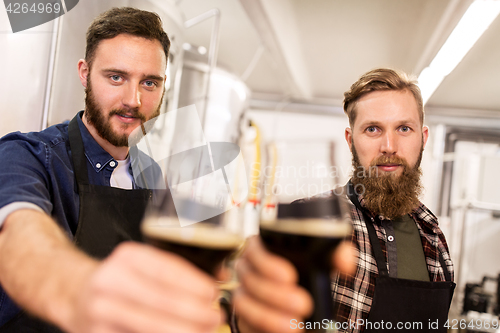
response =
{"points": [[77, 152], [377, 250], [446, 272]]}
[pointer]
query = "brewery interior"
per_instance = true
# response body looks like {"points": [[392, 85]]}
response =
{"points": [[263, 72]]}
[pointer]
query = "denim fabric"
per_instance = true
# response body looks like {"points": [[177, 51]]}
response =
{"points": [[37, 168]]}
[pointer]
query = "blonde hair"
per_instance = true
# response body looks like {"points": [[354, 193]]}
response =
{"points": [[381, 79]]}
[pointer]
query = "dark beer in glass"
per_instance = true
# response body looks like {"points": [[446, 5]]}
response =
{"points": [[307, 233]]}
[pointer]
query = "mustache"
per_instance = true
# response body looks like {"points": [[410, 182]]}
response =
{"points": [[384, 159], [131, 113]]}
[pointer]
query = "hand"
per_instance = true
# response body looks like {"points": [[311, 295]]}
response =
{"points": [[141, 289], [269, 296]]}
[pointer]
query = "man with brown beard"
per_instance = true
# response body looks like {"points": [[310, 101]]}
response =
{"points": [[403, 279], [70, 184]]}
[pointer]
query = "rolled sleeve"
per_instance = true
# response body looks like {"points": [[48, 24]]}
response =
{"points": [[12, 207], [23, 172]]}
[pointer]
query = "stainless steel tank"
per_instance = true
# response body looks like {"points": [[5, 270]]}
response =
{"points": [[222, 105], [24, 64]]}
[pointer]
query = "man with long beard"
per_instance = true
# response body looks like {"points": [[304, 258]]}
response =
{"points": [[71, 185], [403, 277]]}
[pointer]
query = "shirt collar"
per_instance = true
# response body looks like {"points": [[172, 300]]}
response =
{"points": [[95, 154], [424, 214]]}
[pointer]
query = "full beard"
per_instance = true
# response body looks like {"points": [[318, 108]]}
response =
{"points": [[385, 193], [95, 117]]}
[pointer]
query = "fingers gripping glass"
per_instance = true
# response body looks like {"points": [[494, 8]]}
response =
{"points": [[306, 232]]}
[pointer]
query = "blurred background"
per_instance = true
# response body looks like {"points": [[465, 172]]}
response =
{"points": [[263, 71]]}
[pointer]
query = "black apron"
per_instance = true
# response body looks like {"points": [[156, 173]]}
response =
{"points": [[401, 305], [107, 217]]}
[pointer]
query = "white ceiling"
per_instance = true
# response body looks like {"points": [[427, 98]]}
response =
{"points": [[315, 49]]}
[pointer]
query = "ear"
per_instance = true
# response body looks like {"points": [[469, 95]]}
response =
{"points": [[348, 137], [83, 72], [425, 134]]}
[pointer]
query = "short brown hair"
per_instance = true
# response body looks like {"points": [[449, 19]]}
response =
{"points": [[125, 20], [381, 79]]}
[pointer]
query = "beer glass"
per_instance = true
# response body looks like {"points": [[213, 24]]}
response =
{"points": [[196, 187], [306, 232], [178, 227]]}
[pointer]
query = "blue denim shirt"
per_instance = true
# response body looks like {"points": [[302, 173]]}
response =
{"points": [[37, 168]]}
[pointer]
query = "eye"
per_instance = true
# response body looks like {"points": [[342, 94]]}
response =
{"points": [[115, 77], [405, 129], [371, 129], [150, 84]]}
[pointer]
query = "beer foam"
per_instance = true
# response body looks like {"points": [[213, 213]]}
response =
{"points": [[199, 234], [309, 227]]}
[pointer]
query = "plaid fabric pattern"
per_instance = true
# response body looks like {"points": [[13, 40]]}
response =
{"points": [[353, 294]]}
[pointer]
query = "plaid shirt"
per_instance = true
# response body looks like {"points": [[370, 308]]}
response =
{"points": [[353, 294]]}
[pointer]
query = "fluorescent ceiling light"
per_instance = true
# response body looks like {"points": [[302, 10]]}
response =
{"points": [[472, 25]]}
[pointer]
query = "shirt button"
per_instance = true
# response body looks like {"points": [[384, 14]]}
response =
{"points": [[112, 163], [390, 238], [98, 165]]}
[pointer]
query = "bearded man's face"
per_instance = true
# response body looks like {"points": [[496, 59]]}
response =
{"points": [[387, 142], [125, 84]]}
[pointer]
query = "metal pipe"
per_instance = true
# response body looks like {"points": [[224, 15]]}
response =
{"points": [[485, 206], [50, 73], [434, 116], [212, 60], [296, 107], [459, 274], [438, 160], [463, 236], [177, 87], [201, 18], [63, 3], [458, 121], [251, 66], [212, 53]]}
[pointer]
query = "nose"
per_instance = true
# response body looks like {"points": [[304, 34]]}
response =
{"points": [[389, 143], [132, 96]]}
